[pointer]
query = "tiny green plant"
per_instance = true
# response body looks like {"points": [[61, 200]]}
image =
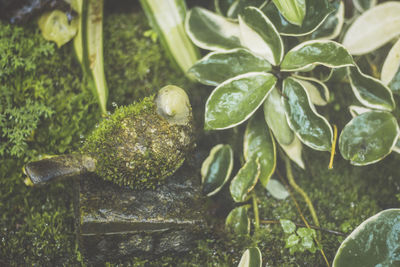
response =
{"points": [[298, 240], [271, 64]]}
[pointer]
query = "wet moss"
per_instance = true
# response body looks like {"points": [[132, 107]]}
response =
{"points": [[37, 224], [136, 147], [135, 66]]}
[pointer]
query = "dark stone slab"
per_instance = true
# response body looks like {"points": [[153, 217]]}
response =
{"points": [[115, 223]]}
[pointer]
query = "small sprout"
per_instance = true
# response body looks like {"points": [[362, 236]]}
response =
{"points": [[300, 240]]}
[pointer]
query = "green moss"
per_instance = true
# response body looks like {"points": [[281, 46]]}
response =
{"points": [[135, 66], [45, 109], [136, 147]]}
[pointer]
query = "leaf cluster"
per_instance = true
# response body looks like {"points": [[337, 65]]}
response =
{"points": [[255, 66], [298, 240]]}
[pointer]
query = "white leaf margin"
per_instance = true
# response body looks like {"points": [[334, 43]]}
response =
{"points": [[313, 110], [268, 55], [230, 29], [310, 65], [391, 64], [387, 14], [206, 163], [363, 101]]}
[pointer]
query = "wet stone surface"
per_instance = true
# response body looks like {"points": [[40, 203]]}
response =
{"points": [[114, 223]]}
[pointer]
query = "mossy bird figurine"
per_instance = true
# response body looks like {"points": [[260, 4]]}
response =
{"points": [[137, 146]]}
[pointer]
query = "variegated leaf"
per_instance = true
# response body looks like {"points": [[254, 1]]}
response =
{"points": [[369, 137], [211, 31], [236, 99], [258, 143], [218, 67], [312, 129], [390, 75], [374, 28], [216, 169], [260, 36], [369, 91]]}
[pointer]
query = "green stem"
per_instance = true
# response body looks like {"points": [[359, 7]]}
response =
{"points": [[255, 210], [298, 189]]}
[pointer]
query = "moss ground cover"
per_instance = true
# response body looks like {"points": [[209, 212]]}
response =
{"points": [[46, 109]]}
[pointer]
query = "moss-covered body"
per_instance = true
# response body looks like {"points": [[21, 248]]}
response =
{"points": [[136, 147]]}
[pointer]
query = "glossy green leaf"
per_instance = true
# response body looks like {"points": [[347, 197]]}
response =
{"points": [[218, 67], [258, 143], [276, 189], [292, 10], [211, 31], [275, 116], [238, 221], [317, 90], [368, 137], [239, 5], [288, 226], [236, 99], [216, 169], [375, 242], [312, 129], [373, 28], [333, 24], [390, 74], [260, 36], [369, 91], [316, 52], [307, 241], [251, 258], [363, 5], [316, 13], [292, 240], [245, 180], [303, 232]]}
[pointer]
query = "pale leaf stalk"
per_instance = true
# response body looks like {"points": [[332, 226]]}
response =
{"points": [[299, 190], [88, 45], [255, 210], [167, 19]]}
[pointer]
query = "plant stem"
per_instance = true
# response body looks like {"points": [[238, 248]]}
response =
{"points": [[289, 174], [255, 210], [303, 225], [295, 186], [333, 147]]}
